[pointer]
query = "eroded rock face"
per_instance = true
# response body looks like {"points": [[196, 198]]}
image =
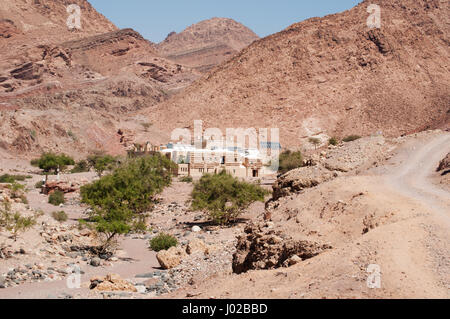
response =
{"points": [[444, 164], [298, 179], [262, 247]]}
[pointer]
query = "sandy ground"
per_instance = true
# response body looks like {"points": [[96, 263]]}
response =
{"points": [[411, 249], [409, 241]]}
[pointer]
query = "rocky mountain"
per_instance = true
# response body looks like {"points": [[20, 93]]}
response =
{"points": [[207, 43], [331, 75], [73, 87]]}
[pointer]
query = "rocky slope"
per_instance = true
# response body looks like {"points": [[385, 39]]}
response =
{"points": [[332, 75], [91, 76], [207, 43]]}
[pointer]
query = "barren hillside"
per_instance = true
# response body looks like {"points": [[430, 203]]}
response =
{"points": [[332, 75], [207, 43], [73, 87]]}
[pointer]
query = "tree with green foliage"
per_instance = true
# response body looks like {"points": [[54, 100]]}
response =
{"points": [[52, 162], [224, 197], [314, 141], [119, 200], [102, 163], [290, 160]]}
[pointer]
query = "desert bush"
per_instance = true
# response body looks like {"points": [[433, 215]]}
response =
{"points": [[81, 167], [60, 216], [119, 200], [14, 222], [39, 184], [224, 197], [186, 179], [7, 178], [51, 162], [163, 242], [56, 198], [290, 160], [333, 141], [351, 138]]}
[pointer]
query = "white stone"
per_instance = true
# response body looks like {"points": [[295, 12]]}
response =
{"points": [[196, 229]]}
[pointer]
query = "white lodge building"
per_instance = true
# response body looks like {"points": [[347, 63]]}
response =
{"points": [[194, 162]]}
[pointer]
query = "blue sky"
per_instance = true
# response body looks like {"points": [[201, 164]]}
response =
{"points": [[154, 19]]}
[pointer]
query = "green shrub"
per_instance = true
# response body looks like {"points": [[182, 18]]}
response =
{"points": [[56, 198], [351, 138], [163, 242], [60, 216], [51, 162], [224, 197], [14, 222], [290, 160], [39, 184], [120, 200], [7, 178], [81, 167], [333, 141], [186, 179], [16, 190]]}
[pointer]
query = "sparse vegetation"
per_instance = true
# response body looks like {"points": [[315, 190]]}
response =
{"points": [[314, 141], [290, 160], [333, 141], [14, 222], [120, 200], [60, 216], [51, 162], [56, 198], [186, 179], [163, 242], [351, 138], [81, 167], [224, 197], [72, 135], [7, 178], [39, 184]]}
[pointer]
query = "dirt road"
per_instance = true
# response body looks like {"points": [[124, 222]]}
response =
{"points": [[412, 178]]}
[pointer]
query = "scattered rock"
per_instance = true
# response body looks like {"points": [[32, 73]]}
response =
{"points": [[196, 229], [95, 262], [112, 282], [170, 258]]}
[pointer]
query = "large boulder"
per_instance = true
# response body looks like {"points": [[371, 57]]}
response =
{"points": [[261, 247], [112, 282], [170, 258], [299, 179]]}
